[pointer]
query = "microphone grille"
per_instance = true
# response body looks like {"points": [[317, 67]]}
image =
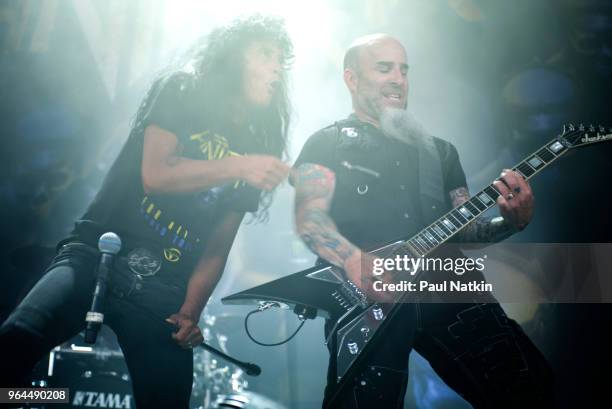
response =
{"points": [[109, 243]]}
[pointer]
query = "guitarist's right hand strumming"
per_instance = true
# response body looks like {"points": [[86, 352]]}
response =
{"points": [[315, 186], [359, 270]]}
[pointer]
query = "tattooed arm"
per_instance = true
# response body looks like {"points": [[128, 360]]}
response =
{"points": [[314, 185], [516, 206]]}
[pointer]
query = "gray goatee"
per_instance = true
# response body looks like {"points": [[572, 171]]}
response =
{"points": [[400, 124]]}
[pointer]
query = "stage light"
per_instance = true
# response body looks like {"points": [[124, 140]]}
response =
{"points": [[308, 23]]}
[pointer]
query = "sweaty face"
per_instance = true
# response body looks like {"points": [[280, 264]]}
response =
{"points": [[261, 74], [381, 80]]}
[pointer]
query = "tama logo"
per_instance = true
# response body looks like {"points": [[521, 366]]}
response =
{"points": [[587, 139], [101, 400]]}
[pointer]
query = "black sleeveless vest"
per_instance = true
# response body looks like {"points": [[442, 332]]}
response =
{"points": [[385, 189]]}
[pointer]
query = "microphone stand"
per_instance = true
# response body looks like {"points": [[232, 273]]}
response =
{"points": [[109, 245]]}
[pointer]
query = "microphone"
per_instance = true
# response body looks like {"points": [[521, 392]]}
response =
{"points": [[109, 245]]}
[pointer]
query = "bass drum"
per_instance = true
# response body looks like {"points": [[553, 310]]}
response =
{"points": [[100, 390]]}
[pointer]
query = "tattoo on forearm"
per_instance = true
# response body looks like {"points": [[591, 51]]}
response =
{"points": [[321, 235], [459, 196], [483, 229], [314, 191], [486, 230], [313, 181]]}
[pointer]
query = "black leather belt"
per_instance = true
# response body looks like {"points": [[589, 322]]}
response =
{"points": [[140, 261]]}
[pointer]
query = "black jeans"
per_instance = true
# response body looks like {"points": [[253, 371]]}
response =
{"points": [[54, 310], [475, 348]]}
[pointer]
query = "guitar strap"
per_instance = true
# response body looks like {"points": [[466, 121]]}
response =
{"points": [[431, 181]]}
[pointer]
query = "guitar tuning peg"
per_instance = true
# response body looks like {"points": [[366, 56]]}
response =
{"points": [[591, 128], [570, 126], [581, 127], [601, 129]]}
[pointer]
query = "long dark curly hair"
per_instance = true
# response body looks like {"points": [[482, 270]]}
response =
{"points": [[216, 62]]}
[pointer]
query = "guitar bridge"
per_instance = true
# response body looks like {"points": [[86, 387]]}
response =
{"points": [[353, 294], [341, 300]]}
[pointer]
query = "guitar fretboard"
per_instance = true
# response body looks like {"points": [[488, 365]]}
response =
{"points": [[455, 220]]}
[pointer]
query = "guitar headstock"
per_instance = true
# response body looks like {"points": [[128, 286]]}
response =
{"points": [[575, 136]]}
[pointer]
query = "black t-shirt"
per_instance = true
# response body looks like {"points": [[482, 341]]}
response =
{"points": [[376, 199], [175, 226]]}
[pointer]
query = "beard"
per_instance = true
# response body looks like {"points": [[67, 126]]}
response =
{"points": [[400, 124]]}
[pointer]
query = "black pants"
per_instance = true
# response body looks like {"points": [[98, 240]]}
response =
{"points": [[54, 310], [475, 348]]}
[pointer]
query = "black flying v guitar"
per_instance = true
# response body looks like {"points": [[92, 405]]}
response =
{"points": [[321, 290]]}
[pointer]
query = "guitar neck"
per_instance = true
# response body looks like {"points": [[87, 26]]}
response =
{"points": [[458, 218]]}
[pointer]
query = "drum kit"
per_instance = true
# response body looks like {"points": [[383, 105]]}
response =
{"points": [[98, 376]]}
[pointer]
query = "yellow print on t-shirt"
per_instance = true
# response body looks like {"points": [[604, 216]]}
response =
{"points": [[214, 146]]}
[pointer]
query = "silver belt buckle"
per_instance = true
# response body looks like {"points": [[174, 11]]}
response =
{"points": [[143, 262]]}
